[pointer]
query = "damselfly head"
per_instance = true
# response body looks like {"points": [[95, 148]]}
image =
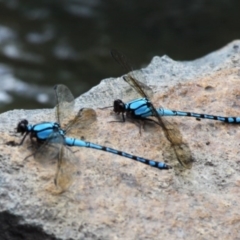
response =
{"points": [[118, 106], [22, 126]]}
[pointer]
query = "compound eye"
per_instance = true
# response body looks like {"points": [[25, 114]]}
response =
{"points": [[22, 126], [25, 122], [118, 106]]}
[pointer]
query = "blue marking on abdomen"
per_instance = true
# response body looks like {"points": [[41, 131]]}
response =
{"points": [[168, 112], [80, 143]]}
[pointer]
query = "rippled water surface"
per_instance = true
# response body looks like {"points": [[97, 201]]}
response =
{"points": [[43, 43]]}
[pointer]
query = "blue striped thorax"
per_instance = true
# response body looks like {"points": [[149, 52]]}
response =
{"points": [[44, 130], [141, 107], [138, 108]]}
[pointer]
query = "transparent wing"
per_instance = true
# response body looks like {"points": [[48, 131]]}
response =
{"points": [[174, 136], [50, 148], [54, 148], [64, 111], [181, 149], [66, 168], [171, 132], [65, 103], [84, 118], [130, 78]]}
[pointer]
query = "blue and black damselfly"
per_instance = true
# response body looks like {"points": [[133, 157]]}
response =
{"points": [[142, 108]]}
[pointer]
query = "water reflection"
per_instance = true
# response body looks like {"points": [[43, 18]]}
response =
{"points": [[47, 42]]}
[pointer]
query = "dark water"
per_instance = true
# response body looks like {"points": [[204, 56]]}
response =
{"points": [[46, 42]]}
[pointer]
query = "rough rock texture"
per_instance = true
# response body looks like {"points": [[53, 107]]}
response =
{"points": [[116, 198]]}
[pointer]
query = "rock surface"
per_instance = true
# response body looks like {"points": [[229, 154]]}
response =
{"points": [[116, 198]]}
